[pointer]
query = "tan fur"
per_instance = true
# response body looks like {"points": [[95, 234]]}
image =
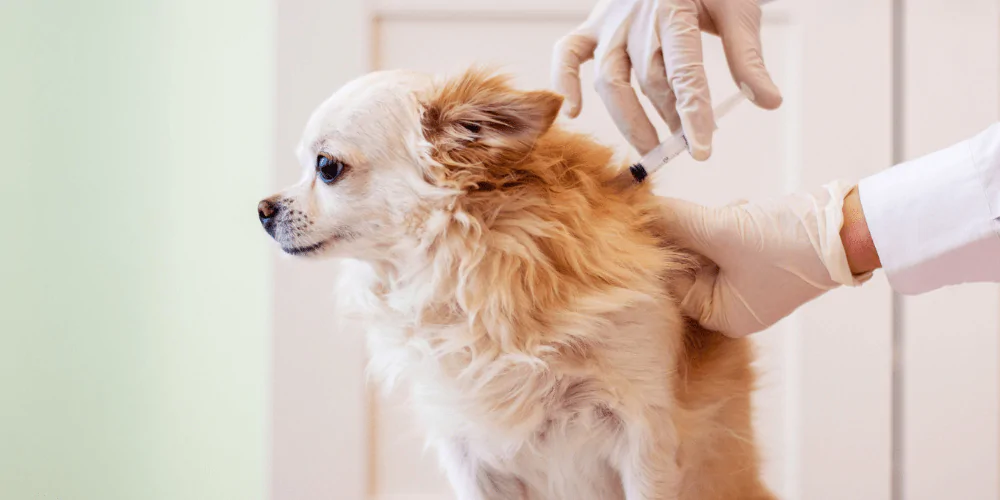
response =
{"points": [[530, 305]]}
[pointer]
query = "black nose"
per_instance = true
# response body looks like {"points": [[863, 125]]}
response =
{"points": [[268, 211]]}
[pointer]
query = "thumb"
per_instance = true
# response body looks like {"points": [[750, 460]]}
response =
{"points": [[739, 29], [570, 52]]}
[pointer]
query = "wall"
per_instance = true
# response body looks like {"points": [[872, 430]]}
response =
{"points": [[948, 350], [135, 141]]}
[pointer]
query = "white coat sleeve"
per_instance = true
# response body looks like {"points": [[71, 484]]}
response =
{"points": [[935, 221]]}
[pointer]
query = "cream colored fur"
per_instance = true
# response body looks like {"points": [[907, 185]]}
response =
{"points": [[525, 302]]}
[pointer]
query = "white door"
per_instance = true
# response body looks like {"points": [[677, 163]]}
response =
{"points": [[825, 410]]}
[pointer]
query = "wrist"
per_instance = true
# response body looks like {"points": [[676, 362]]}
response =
{"points": [[862, 257]]}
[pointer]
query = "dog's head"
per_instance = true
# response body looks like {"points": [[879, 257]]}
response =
{"points": [[390, 148]]}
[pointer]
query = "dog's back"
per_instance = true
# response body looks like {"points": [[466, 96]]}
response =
{"points": [[714, 384]]}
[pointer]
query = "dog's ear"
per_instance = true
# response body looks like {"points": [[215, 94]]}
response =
{"points": [[480, 128]]}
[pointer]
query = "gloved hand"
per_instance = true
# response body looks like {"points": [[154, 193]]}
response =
{"points": [[772, 256], [661, 41]]}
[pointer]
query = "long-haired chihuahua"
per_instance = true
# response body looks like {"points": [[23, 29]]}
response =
{"points": [[527, 300]]}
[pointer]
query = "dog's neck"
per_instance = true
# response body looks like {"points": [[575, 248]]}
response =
{"points": [[454, 277], [508, 274]]}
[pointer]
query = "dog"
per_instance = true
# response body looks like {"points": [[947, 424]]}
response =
{"points": [[529, 301]]}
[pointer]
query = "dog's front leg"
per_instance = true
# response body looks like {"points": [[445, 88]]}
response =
{"points": [[647, 460], [473, 480]]}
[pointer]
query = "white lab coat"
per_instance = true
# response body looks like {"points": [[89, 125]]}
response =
{"points": [[935, 221]]}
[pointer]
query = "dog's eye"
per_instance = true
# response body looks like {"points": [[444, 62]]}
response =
{"points": [[328, 168]]}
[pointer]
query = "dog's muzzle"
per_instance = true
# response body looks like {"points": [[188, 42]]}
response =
{"points": [[268, 211]]}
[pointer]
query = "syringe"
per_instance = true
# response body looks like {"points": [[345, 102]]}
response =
{"points": [[674, 146]]}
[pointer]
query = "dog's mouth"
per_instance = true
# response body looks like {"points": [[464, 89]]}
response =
{"points": [[314, 248], [306, 250]]}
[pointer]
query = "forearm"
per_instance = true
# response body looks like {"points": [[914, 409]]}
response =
{"points": [[862, 256], [934, 220]]}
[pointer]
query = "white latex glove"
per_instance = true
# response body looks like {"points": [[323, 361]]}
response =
{"points": [[772, 256], [661, 41]]}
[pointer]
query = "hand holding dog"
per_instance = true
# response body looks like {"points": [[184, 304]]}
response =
{"points": [[772, 256]]}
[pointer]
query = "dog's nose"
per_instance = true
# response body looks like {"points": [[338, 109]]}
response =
{"points": [[267, 211]]}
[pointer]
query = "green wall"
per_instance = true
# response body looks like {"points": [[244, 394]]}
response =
{"points": [[135, 141]]}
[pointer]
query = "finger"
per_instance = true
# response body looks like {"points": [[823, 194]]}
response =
{"points": [[669, 111], [718, 306], [647, 64], [682, 57], [727, 234], [739, 29], [614, 87], [699, 303], [696, 227], [570, 52], [654, 85]]}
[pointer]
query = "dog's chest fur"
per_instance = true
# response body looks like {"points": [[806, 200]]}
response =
{"points": [[552, 417]]}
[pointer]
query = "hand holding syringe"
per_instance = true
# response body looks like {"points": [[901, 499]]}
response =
{"points": [[658, 44], [674, 146]]}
